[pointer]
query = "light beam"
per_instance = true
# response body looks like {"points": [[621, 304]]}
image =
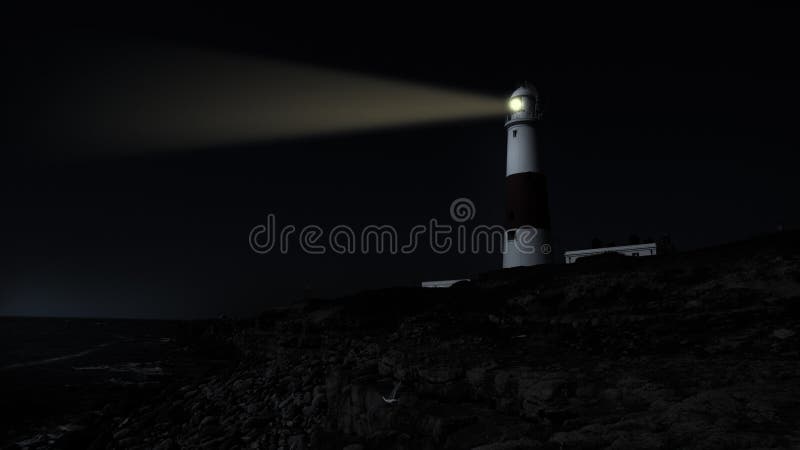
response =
{"points": [[135, 99]]}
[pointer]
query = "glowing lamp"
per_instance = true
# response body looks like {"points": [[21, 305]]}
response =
{"points": [[516, 104]]}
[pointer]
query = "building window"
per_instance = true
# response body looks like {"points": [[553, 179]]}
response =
{"points": [[514, 132]]}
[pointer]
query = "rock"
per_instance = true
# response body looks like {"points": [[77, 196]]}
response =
{"points": [[208, 420], [610, 395], [547, 390], [241, 385], [318, 402], [517, 444], [478, 376], [166, 444], [502, 381], [297, 442], [392, 364], [782, 333], [586, 390], [441, 374], [353, 447], [638, 441], [122, 433], [590, 436]]}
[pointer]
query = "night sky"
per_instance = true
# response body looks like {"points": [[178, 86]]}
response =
{"points": [[658, 125]]}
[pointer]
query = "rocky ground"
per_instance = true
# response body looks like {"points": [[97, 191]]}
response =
{"points": [[693, 350]]}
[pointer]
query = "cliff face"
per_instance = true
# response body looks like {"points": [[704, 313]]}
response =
{"points": [[694, 350]]}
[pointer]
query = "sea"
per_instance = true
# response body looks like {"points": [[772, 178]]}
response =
{"points": [[61, 377]]}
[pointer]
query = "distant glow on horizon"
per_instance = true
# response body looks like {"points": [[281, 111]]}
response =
{"points": [[516, 104]]}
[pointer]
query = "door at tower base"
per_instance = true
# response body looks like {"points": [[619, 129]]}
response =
{"points": [[527, 246]]}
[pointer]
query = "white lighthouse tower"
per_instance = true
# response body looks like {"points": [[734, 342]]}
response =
{"points": [[527, 211]]}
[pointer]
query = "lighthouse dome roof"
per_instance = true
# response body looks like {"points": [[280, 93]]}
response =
{"points": [[529, 91]]}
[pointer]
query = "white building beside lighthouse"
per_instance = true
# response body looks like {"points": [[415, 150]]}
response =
{"points": [[527, 212]]}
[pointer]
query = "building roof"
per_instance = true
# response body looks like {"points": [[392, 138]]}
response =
{"points": [[617, 248]]}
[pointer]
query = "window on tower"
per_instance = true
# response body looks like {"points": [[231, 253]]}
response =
{"points": [[514, 133]]}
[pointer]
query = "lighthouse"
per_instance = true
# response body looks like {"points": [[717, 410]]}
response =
{"points": [[527, 211]]}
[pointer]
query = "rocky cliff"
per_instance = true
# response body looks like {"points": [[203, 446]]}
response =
{"points": [[692, 350]]}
